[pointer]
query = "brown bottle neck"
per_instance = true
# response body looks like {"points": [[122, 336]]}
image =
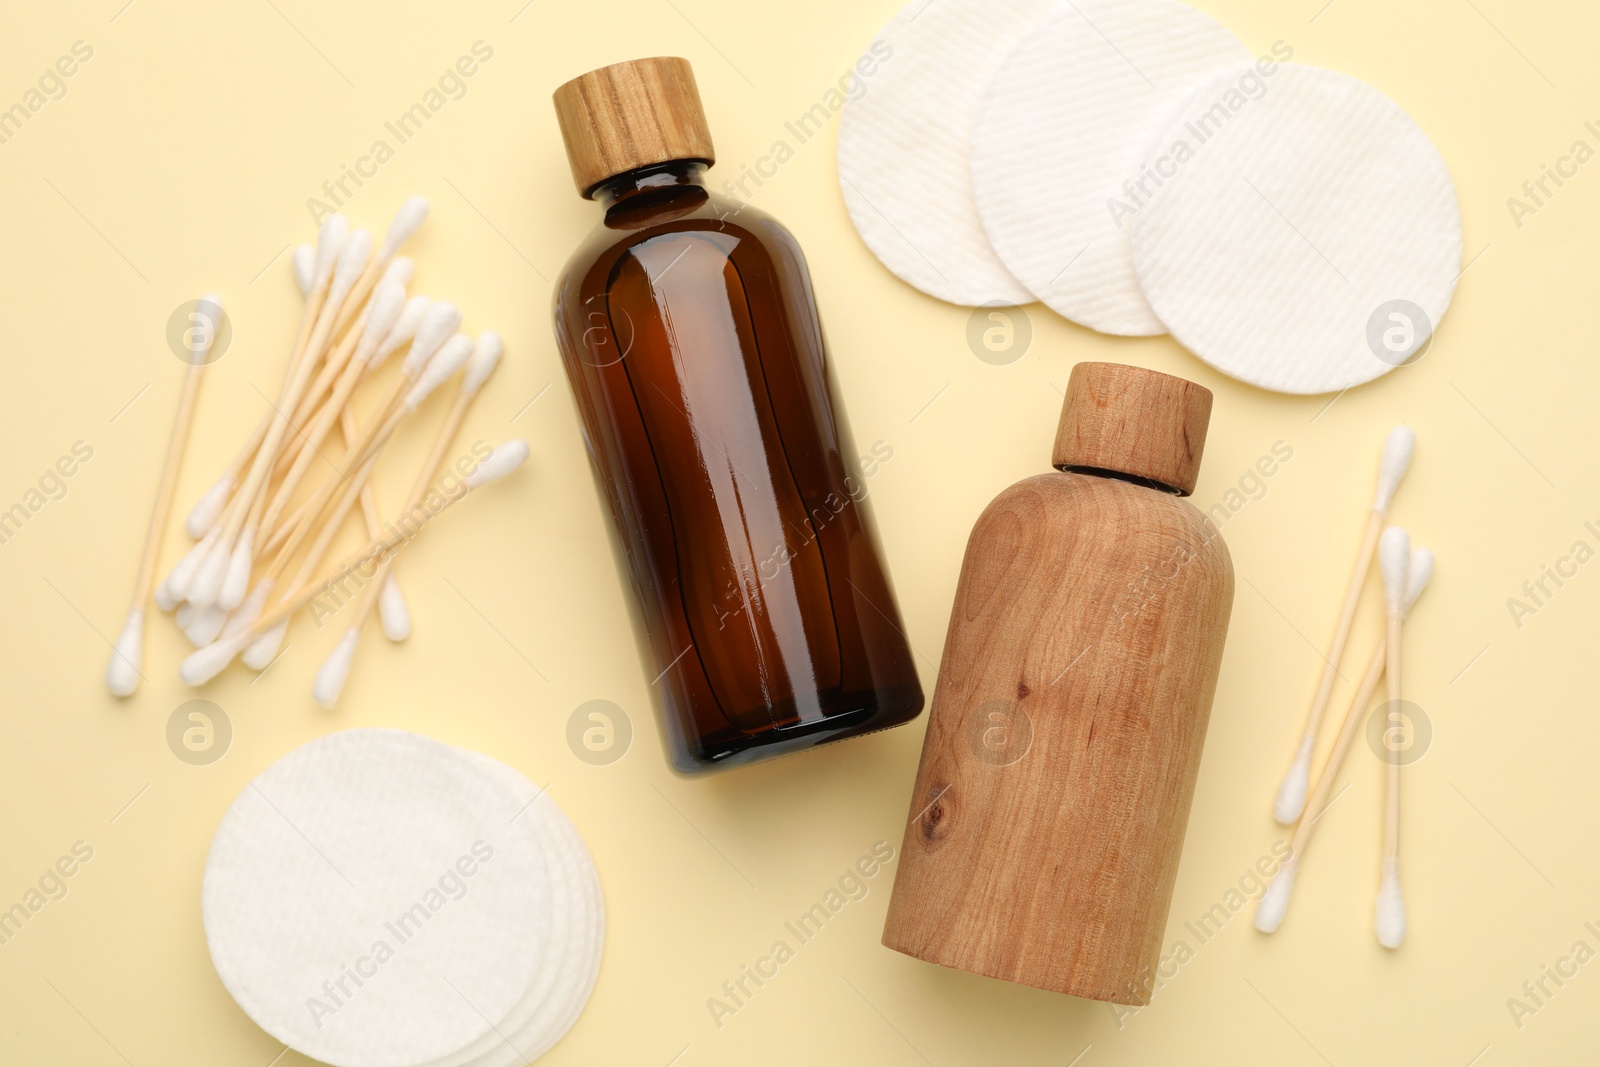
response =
{"points": [[650, 182]]}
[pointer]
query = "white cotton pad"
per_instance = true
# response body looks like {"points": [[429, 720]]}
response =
{"points": [[553, 1002], [365, 839], [904, 143], [1310, 239], [1060, 150]]}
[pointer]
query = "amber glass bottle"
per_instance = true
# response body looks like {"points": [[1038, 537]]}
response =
{"points": [[690, 337]]}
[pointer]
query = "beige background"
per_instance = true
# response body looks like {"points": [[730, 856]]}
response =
{"points": [[180, 160]]}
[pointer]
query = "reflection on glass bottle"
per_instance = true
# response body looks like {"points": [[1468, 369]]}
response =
{"points": [[690, 336]]}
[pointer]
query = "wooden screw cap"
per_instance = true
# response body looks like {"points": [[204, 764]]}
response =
{"points": [[1134, 421], [631, 115]]}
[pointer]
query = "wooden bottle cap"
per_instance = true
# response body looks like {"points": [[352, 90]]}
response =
{"points": [[631, 115], [1134, 421]]}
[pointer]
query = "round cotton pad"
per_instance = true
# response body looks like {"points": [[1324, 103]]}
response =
{"points": [[904, 143], [553, 1003], [369, 903], [1310, 237], [1062, 140]]}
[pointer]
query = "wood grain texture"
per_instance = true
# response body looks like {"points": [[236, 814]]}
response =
{"points": [[1137, 421], [1065, 737], [631, 115]]}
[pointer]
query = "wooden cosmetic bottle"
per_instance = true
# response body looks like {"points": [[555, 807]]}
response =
{"points": [[1066, 730]]}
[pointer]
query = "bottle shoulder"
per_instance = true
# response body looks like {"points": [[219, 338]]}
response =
{"points": [[744, 226], [1122, 515]]}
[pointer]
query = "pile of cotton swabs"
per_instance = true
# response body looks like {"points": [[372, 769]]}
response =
{"points": [[264, 528]]}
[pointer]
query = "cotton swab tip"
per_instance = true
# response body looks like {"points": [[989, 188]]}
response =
{"points": [[210, 575], [442, 320], [122, 671], [1292, 792], [264, 649], [1390, 913], [209, 507], [1394, 560], [1397, 451], [393, 611], [335, 670], [250, 610], [353, 256], [237, 581], [204, 664], [388, 301], [304, 261], [330, 239], [405, 327], [165, 598], [412, 214], [1418, 576], [444, 363], [205, 624], [501, 462], [485, 358], [1275, 901], [183, 572], [400, 271]]}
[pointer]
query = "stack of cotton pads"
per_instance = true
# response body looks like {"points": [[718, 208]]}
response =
{"points": [[379, 899], [1130, 165]]}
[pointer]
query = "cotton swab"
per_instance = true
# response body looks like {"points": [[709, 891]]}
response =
{"points": [[406, 222], [304, 261], [425, 377], [1397, 451], [1394, 555], [122, 671], [387, 303], [335, 670], [206, 663], [335, 275], [1275, 902]]}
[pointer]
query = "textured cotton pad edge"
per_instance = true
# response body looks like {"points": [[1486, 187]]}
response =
{"points": [[1297, 225], [568, 982], [1062, 143], [391, 806], [904, 144], [510, 1039]]}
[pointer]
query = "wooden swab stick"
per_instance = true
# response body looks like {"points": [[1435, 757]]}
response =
{"points": [[1397, 450], [203, 516], [444, 363], [406, 222], [399, 273], [385, 308], [206, 663], [206, 587], [1275, 902], [122, 672], [204, 562], [335, 669], [1394, 556]]}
